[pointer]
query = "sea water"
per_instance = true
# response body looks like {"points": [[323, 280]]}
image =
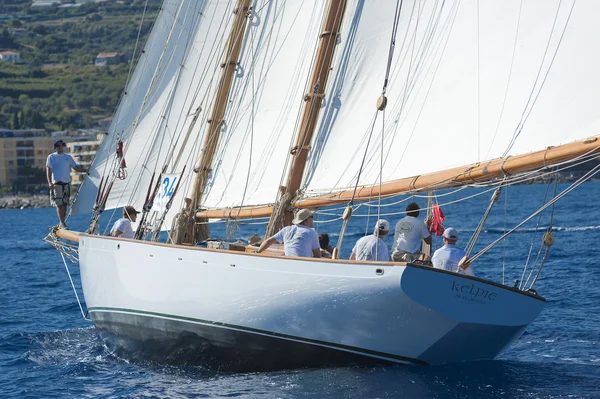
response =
{"points": [[47, 350]]}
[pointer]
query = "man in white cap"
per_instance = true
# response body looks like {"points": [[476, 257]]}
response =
{"points": [[372, 247], [122, 227], [298, 240], [448, 256]]}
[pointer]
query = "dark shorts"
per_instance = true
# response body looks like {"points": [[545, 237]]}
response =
{"points": [[403, 256], [60, 194]]}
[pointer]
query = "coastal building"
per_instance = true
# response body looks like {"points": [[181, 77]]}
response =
{"points": [[44, 3], [10, 56], [22, 148], [103, 59]]}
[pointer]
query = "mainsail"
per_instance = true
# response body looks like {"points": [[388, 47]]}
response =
{"points": [[470, 81]]}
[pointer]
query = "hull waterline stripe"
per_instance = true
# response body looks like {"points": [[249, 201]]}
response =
{"points": [[346, 348]]}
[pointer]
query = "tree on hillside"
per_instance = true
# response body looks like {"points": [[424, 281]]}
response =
{"points": [[6, 40], [15, 123], [15, 23]]}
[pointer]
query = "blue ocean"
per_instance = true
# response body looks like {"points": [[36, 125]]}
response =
{"points": [[47, 350]]}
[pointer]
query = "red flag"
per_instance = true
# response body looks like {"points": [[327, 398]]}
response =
{"points": [[437, 227]]}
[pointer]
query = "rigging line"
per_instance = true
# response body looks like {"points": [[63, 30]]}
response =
{"points": [[252, 115], [137, 40], [543, 243], [527, 110], [380, 181], [263, 6], [443, 44], [73, 285], [504, 241], [134, 62], [478, 86], [510, 70], [384, 86], [215, 54], [184, 113], [533, 239], [300, 109], [579, 182], [213, 59], [416, 64], [364, 157], [473, 240], [194, 25], [392, 46]]}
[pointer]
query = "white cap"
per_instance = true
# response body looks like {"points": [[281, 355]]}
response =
{"points": [[381, 225], [450, 233]]}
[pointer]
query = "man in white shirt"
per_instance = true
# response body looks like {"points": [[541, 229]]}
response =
{"points": [[372, 247], [448, 256], [298, 240], [58, 173], [408, 235], [122, 227]]}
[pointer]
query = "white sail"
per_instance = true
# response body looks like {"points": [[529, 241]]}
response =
{"points": [[465, 78], [174, 79], [264, 102]]}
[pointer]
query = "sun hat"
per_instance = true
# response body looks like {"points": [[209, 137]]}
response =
{"points": [[302, 215], [59, 143], [450, 233], [382, 225]]}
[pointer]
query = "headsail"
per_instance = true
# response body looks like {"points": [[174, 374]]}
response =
{"points": [[165, 101]]}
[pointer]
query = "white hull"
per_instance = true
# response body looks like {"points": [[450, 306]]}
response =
{"points": [[292, 312]]}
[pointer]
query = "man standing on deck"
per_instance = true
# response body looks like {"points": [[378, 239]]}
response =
{"points": [[298, 240], [449, 256], [58, 173], [408, 235]]}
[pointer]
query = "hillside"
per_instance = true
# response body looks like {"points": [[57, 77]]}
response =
{"points": [[57, 86]]}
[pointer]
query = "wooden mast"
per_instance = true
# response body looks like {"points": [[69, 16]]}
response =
{"points": [[480, 172], [188, 230], [282, 213]]}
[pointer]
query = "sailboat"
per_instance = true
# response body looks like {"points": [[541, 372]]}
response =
{"points": [[249, 110]]}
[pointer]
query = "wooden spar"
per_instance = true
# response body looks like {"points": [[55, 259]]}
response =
{"points": [[68, 235], [215, 121], [480, 172], [313, 99]]}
